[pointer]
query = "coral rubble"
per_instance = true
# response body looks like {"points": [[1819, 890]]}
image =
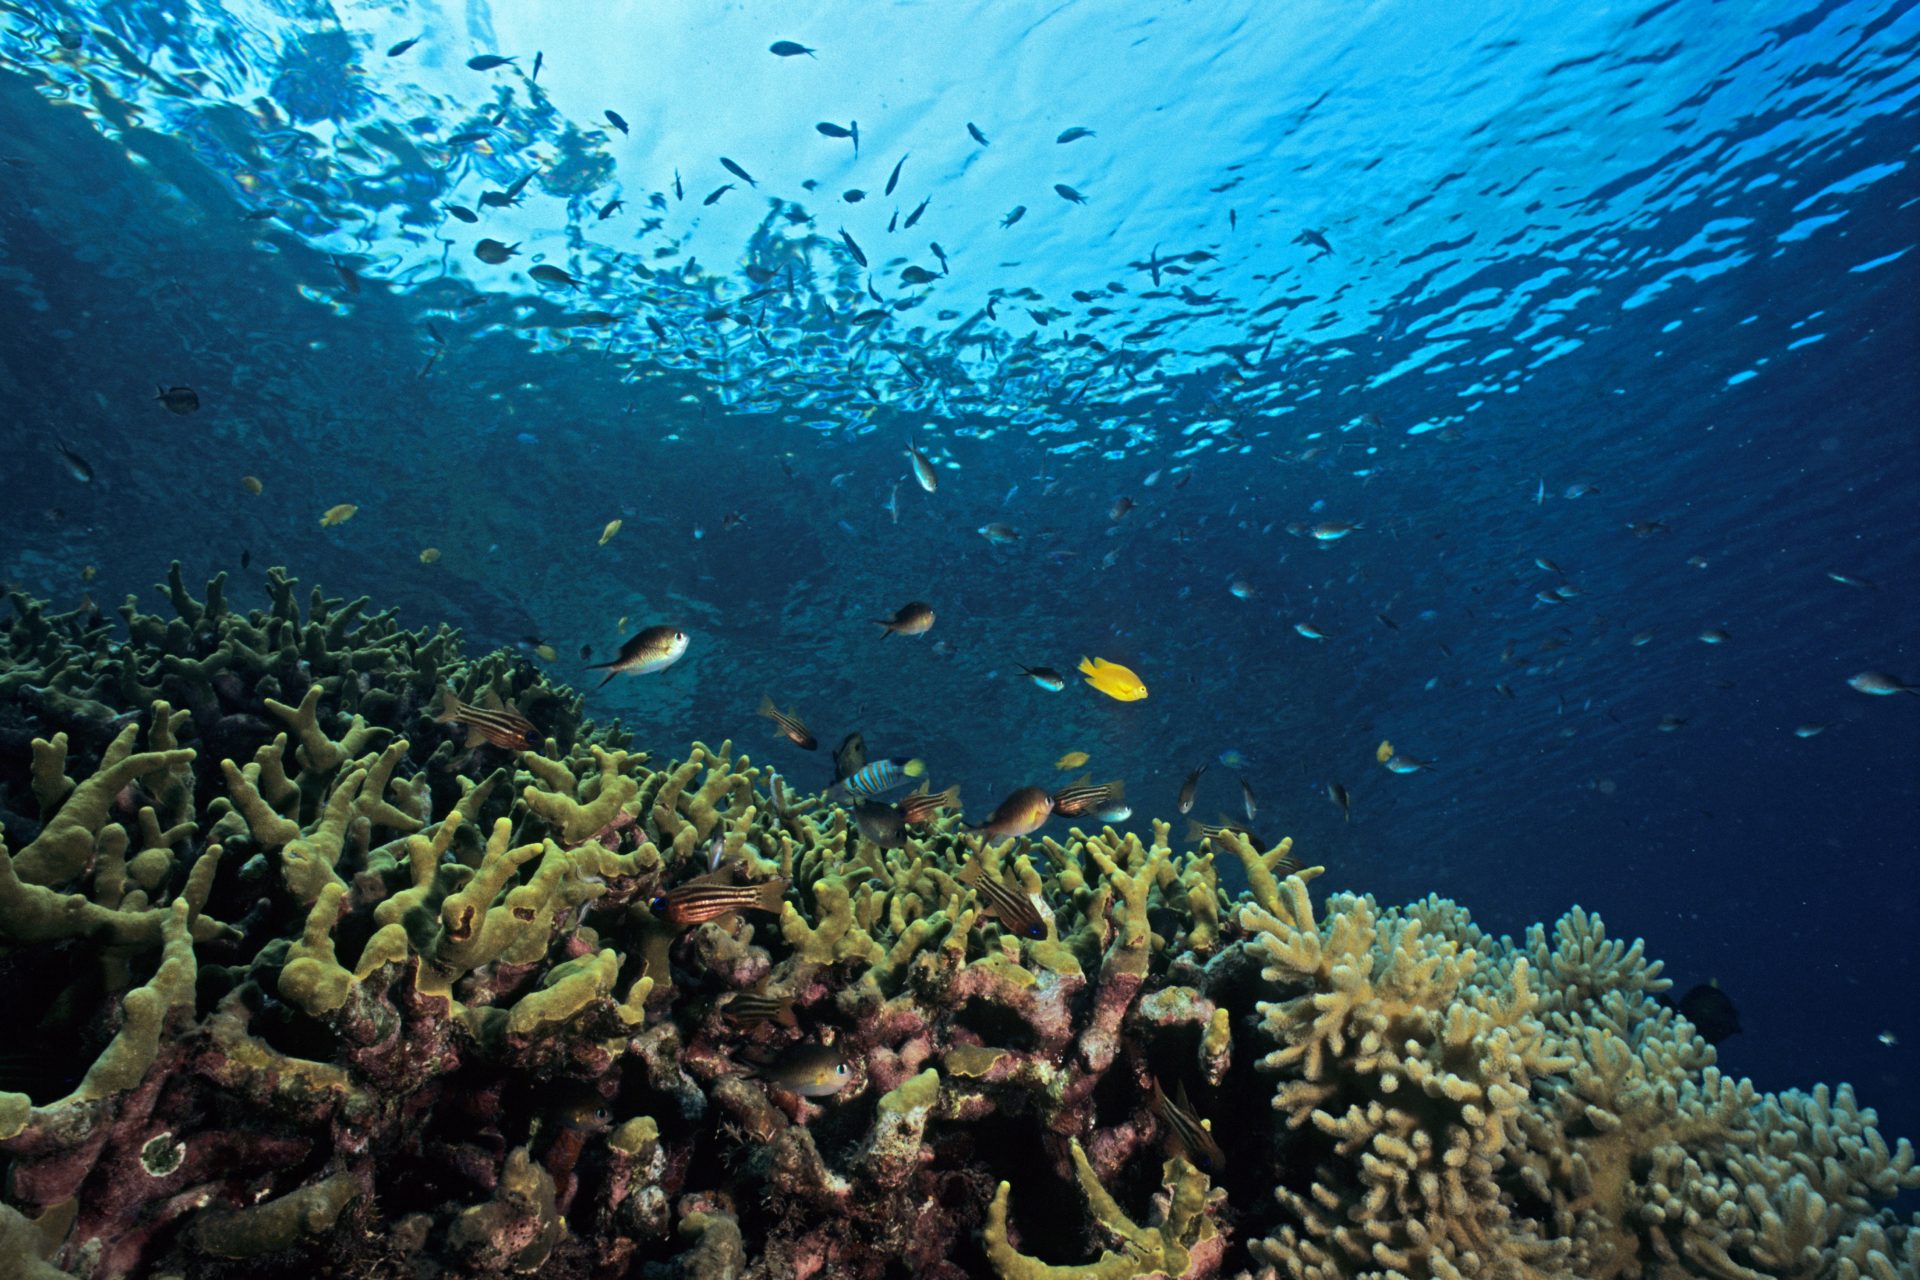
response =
{"points": [[304, 979]]}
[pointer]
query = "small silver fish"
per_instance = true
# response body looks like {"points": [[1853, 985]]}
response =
{"points": [[922, 469]]}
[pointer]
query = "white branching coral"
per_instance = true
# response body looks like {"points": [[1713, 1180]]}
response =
{"points": [[1455, 1105]]}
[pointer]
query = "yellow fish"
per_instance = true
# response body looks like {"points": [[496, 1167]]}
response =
{"points": [[337, 515], [547, 653], [1114, 680], [1384, 752], [251, 484], [606, 534], [429, 555], [87, 574], [1072, 760]]}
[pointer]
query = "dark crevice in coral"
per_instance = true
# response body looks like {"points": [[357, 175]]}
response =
{"points": [[995, 1025], [285, 1029]]}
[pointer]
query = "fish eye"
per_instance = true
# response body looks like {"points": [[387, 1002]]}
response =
{"points": [[1036, 931], [658, 902]]}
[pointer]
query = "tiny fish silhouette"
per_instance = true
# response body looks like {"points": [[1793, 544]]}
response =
{"points": [[1066, 192], [737, 171], [788, 49], [918, 210], [852, 247], [1019, 212], [488, 61], [405, 45], [181, 400], [893, 179], [978, 136], [717, 192], [1073, 135], [614, 119]]}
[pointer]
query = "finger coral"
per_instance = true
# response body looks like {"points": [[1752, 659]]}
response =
{"points": [[317, 980]]}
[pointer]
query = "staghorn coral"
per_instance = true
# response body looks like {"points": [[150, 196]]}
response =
{"points": [[342, 989]]}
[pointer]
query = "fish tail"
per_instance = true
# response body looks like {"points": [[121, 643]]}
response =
{"points": [[914, 768], [611, 671], [770, 896], [768, 710], [948, 799], [786, 1017], [885, 625], [1086, 665], [446, 705], [1195, 832], [1116, 791]]}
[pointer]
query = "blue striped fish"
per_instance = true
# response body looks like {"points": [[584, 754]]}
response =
{"points": [[877, 778]]}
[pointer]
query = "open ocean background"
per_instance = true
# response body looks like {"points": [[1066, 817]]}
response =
{"points": [[1590, 267]]}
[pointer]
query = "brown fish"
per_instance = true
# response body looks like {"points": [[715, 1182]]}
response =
{"points": [[850, 756], [703, 899], [1191, 785], [654, 649], [1084, 796], [498, 723], [1004, 900], [912, 619], [789, 724], [1187, 1135], [810, 1070], [751, 1008], [921, 806], [881, 823], [1020, 814]]}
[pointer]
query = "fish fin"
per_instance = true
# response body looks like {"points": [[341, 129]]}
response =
{"points": [[885, 625], [722, 874], [608, 678], [1181, 1100], [950, 798], [1116, 791], [1195, 832], [1087, 665], [970, 874], [490, 701], [914, 768], [475, 737], [767, 708], [786, 1017], [921, 789], [445, 707], [1084, 779], [772, 896]]}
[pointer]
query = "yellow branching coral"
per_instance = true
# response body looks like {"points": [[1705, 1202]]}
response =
{"points": [[1168, 1247], [456, 959]]}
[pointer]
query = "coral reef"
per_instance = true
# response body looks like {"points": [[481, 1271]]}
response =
{"points": [[309, 982]]}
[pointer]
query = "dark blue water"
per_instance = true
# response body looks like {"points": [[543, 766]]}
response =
{"points": [[1635, 268]]}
